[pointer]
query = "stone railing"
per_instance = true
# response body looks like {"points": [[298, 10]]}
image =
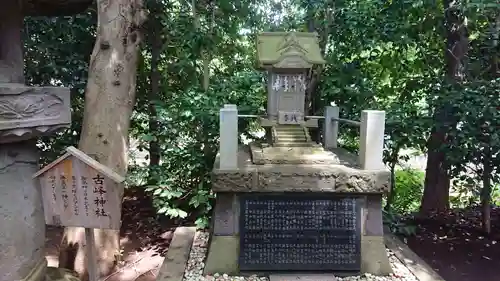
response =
{"points": [[372, 127]]}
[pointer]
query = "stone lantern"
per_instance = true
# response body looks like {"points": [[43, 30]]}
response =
{"points": [[288, 57], [25, 114]]}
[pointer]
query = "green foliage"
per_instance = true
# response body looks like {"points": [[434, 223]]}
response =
{"points": [[57, 52], [398, 224], [183, 182], [385, 55], [407, 194], [187, 116], [406, 197], [475, 139], [409, 187]]}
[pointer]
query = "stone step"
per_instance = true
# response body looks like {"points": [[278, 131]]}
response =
{"points": [[293, 144], [296, 129], [301, 133], [290, 136], [288, 126], [292, 139]]}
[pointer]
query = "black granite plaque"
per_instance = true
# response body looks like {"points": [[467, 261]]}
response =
{"points": [[299, 232]]}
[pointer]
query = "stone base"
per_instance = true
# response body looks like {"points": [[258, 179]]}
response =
{"points": [[223, 250], [302, 277], [61, 274], [374, 259], [313, 154], [343, 177], [38, 273], [43, 273], [22, 224], [222, 255]]}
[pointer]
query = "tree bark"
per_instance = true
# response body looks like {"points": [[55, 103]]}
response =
{"points": [[437, 181], [155, 42], [486, 192], [494, 67], [393, 192], [109, 101]]}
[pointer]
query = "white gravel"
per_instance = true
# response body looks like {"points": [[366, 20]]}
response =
{"points": [[194, 270]]}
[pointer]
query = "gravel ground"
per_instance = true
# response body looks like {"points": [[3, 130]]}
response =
{"points": [[196, 263]]}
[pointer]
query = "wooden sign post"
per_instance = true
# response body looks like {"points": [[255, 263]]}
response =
{"points": [[79, 191]]}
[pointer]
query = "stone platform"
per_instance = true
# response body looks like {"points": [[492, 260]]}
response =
{"points": [[295, 169]]}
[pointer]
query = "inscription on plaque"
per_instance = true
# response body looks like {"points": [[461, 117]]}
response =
{"points": [[299, 232]]}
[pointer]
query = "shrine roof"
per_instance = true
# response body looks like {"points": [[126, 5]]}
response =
{"points": [[80, 155], [290, 50]]}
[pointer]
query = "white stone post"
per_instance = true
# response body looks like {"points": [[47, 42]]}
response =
{"points": [[371, 147], [331, 128], [228, 146]]}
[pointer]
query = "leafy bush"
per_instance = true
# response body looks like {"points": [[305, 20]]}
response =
{"points": [[408, 191], [406, 197], [188, 139], [398, 224]]}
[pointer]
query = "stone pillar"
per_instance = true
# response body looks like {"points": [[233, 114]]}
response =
{"points": [[25, 113], [228, 150], [374, 258], [371, 147], [272, 101], [331, 128]]}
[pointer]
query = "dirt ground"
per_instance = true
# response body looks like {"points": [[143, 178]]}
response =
{"points": [[451, 243], [455, 247], [144, 239]]}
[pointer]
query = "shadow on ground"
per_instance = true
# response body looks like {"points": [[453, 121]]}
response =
{"points": [[454, 245], [144, 240]]}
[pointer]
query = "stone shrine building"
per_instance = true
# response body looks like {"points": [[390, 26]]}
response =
{"points": [[287, 203]]}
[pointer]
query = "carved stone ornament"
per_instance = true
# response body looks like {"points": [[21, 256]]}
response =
{"points": [[333, 179], [30, 106], [341, 177], [28, 112]]}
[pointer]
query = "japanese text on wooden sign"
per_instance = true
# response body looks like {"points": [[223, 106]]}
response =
{"points": [[76, 194]]}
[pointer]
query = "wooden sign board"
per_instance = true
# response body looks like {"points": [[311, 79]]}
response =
{"points": [[79, 191], [290, 117]]}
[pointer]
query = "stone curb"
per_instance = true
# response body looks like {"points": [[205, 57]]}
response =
{"points": [[410, 259], [177, 256]]}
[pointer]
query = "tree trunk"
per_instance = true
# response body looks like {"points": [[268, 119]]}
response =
{"points": [[486, 198], [311, 106], [486, 190], [494, 68], [392, 193], [155, 42], [437, 181], [109, 101]]}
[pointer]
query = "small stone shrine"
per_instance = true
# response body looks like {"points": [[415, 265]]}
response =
{"points": [[289, 204], [25, 114]]}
